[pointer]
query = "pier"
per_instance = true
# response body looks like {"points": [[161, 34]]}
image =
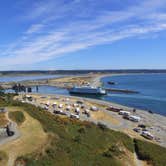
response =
{"points": [[121, 90]]}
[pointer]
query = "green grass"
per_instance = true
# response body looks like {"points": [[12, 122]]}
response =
{"points": [[17, 116], [154, 154]]}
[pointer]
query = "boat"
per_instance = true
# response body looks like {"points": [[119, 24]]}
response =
{"points": [[87, 90], [111, 83]]}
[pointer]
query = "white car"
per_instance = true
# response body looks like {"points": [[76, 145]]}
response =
{"points": [[60, 105], [77, 110], [93, 108], [68, 108]]}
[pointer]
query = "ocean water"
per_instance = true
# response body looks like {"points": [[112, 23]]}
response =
{"points": [[151, 88]]}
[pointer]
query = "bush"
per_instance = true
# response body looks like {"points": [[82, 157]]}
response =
{"points": [[102, 126], [112, 151], [154, 154], [17, 116], [3, 156]]}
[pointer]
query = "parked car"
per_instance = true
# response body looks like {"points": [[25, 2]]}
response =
{"points": [[74, 116], [142, 126], [124, 113], [60, 106], [77, 110], [147, 135], [137, 130], [68, 108], [93, 108]]}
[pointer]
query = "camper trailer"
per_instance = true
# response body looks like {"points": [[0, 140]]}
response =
{"points": [[126, 113], [134, 118]]}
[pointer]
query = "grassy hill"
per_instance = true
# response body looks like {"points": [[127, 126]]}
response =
{"points": [[74, 143]]}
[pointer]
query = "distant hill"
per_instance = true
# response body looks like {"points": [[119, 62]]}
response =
{"points": [[80, 71]]}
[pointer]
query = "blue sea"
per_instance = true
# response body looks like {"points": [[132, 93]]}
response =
{"points": [[151, 88]]}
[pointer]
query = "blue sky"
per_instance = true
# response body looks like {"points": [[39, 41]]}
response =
{"points": [[82, 34]]}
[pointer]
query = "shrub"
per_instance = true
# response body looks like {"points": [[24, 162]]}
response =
{"points": [[17, 116], [153, 153], [102, 126], [3, 156]]}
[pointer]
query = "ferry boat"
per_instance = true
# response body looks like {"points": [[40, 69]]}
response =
{"points": [[87, 90]]}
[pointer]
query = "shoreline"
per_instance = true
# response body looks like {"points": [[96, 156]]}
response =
{"points": [[95, 80]]}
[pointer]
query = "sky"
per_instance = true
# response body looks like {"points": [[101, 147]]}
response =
{"points": [[82, 34]]}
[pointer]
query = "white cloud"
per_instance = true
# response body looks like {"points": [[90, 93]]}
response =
{"points": [[35, 28]]}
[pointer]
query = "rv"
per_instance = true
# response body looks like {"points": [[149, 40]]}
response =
{"points": [[134, 118], [126, 113]]}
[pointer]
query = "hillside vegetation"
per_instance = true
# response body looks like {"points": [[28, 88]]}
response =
{"points": [[17, 116], [74, 143], [154, 154]]}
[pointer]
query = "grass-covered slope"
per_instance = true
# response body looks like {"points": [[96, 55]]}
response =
{"points": [[154, 154], [83, 143]]}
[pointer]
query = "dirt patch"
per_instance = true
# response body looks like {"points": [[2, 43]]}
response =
{"points": [[104, 116]]}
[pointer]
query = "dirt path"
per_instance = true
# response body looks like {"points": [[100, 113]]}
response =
{"points": [[4, 138], [139, 162], [31, 132]]}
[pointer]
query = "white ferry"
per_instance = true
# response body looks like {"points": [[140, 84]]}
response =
{"points": [[87, 90]]}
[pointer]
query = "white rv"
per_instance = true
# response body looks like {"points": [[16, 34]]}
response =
{"points": [[134, 118]]}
